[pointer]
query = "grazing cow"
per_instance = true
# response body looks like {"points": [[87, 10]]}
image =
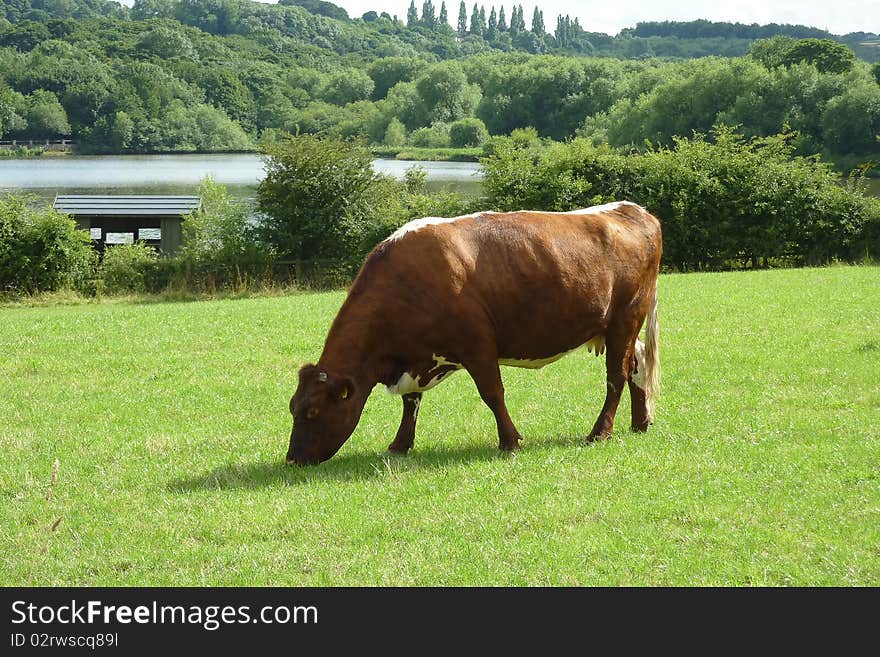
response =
{"points": [[482, 290]]}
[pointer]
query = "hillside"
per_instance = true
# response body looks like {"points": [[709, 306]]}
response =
{"points": [[217, 75]]}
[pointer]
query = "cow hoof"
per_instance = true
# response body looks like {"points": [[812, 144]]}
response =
{"points": [[639, 428], [596, 437]]}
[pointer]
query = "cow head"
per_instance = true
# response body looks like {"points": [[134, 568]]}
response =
{"points": [[326, 409]]}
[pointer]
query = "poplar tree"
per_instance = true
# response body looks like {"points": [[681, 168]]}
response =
{"points": [[517, 22], [462, 20], [475, 21], [502, 20], [492, 26], [537, 22], [444, 17], [429, 17], [412, 15]]}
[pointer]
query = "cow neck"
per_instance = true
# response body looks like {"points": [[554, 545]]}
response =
{"points": [[349, 349]]}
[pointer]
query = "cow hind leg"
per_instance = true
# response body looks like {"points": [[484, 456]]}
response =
{"points": [[487, 377], [406, 433], [641, 418], [617, 368]]}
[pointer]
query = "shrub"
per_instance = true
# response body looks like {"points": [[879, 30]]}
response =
{"points": [[467, 132], [317, 198], [126, 268], [220, 244], [722, 202], [41, 250], [437, 136]]}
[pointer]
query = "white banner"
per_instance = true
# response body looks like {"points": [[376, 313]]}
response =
{"points": [[119, 238], [149, 233]]}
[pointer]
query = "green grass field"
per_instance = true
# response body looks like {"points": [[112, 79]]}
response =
{"points": [[170, 424]]}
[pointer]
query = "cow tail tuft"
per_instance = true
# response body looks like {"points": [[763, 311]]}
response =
{"points": [[652, 357]]}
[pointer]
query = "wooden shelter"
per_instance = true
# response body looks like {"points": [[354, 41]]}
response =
{"points": [[156, 220]]}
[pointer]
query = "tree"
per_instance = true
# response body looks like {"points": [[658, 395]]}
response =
{"points": [[395, 134], [502, 20], [826, 55], [346, 87], [412, 15], [851, 122], [476, 28], [24, 36], [517, 22], [875, 71], [467, 132], [316, 198], [388, 71], [445, 91], [45, 116], [462, 20], [771, 52], [492, 26], [429, 17], [443, 19], [538, 22]]}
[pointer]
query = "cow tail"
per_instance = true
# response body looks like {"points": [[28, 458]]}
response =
{"points": [[652, 357]]}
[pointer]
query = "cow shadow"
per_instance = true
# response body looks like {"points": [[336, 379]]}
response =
{"points": [[348, 467]]}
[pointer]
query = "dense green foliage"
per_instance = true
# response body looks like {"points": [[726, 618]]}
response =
{"points": [[125, 268], [220, 247], [41, 250], [322, 202], [214, 75], [317, 197], [721, 202]]}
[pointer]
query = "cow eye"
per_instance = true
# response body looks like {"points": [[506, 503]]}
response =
{"points": [[312, 413]]}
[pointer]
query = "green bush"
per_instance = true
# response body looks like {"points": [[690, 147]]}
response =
{"points": [[41, 250], [437, 136], [220, 243], [317, 198], [127, 268], [722, 202], [467, 132]]}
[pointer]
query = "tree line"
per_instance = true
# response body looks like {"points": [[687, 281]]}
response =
{"points": [[213, 75]]}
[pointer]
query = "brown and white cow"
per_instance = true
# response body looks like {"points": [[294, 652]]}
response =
{"points": [[482, 290]]}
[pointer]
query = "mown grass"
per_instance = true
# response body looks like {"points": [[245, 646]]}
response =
{"points": [[170, 424]]}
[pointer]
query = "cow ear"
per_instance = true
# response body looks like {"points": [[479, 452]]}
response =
{"points": [[343, 388]]}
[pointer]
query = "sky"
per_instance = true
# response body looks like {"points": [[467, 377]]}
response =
{"points": [[610, 16]]}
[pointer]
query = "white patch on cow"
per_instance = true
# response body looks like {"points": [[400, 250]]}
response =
{"points": [[416, 404], [530, 363], [595, 344], [639, 376], [418, 224], [409, 382], [598, 209]]}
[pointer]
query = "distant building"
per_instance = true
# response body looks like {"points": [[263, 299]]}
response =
{"points": [[156, 220]]}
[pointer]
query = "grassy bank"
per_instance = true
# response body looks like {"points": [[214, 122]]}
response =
{"points": [[427, 154], [170, 423]]}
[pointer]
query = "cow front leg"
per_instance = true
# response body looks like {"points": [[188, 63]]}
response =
{"points": [[616, 374], [406, 432], [487, 377]]}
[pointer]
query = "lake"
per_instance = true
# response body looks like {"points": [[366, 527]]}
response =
{"points": [[181, 174]]}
